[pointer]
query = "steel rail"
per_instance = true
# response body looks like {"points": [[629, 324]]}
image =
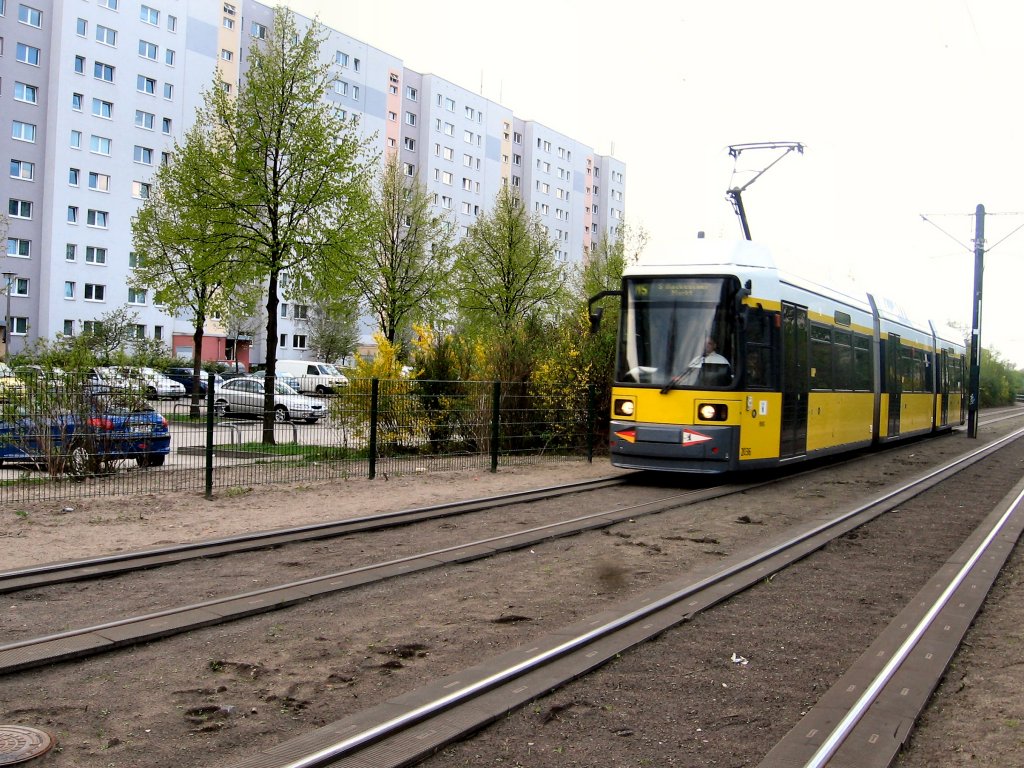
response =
{"points": [[398, 723], [842, 729], [105, 565]]}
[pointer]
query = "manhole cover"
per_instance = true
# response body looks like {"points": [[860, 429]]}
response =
{"points": [[19, 743]]}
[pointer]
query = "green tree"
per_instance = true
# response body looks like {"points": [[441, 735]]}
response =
{"points": [[505, 267], [185, 256], [333, 329], [298, 191], [110, 334], [408, 263]]}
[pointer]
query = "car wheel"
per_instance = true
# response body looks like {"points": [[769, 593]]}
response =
{"points": [[150, 459], [312, 420], [321, 389], [80, 462], [220, 408], [151, 393], [280, 413]]}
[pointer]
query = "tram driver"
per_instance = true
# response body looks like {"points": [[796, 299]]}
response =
{"points": [[710, 367]]}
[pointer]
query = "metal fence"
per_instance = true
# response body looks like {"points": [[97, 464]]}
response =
{"points": [[80, 438]]}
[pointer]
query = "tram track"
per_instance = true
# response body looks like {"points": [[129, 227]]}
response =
{"points": [[116, 633], [411, 727], [369, 601], [100, 566]]}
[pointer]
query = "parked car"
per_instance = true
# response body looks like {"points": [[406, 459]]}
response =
{"points": [[184, 377], [313, 376], [98, 427], [246, 396], [157, 385], [284, 378], [9, 383]]}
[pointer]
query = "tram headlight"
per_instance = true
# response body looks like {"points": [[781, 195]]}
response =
{"points": [[624, 407], [713, 412]]}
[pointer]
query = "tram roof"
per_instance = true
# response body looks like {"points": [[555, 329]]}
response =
{"points": [[749, 259]]}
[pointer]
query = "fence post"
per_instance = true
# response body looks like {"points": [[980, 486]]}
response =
{"points": [[495, 425], [374, 396], [209, 435], [591, 394]]}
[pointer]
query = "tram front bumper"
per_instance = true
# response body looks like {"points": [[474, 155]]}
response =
{"points": [[671, 447]]}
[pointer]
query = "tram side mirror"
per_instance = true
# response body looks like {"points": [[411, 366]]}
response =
{"points": [[595, 319]]}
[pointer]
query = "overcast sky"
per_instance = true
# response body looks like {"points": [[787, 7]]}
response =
{"points": [[905, 108]]}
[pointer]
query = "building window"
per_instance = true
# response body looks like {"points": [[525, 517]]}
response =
{"points": [[100, 182], [136, 296], [168, 91], [144, 119], [106, 36], [410, 118], [283, 341], [143, 155], [103, 72], [94, 218], [228, 23], [30, 16], [69, 327], [409, 169], [27, 54], [93, 292], [79, 66], [411, 93], [259, 30], [100, 145], [70, 252], [76, 140], [140, 190], [409, 144], [150, 15], [18, 248], [140, 331], [76, 102], [22, 169], [299, 341], [226, 55], [145, 84], [19, 326], [101, 108], [69, 289], [165, 125], [172, 23], [23, 131], [169, 57], [158, 332], [94, 255], [27, 93], [72, 214], [19, 209], [111, 4]]}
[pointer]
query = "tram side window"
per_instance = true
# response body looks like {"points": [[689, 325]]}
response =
{"points": [[912, 370], [821, 357], [862, 363], [843, 354], [758, 359]]}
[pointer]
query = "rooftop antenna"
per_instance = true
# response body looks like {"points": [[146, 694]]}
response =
{"points": [[735, 194]]}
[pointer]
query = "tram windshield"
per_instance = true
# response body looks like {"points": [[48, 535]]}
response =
{"points": [[678, 332]]}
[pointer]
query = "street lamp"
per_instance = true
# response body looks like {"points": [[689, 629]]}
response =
{"points": [[8, 277]]}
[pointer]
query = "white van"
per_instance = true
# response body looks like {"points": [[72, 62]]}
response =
{"points": [[313, 376]]}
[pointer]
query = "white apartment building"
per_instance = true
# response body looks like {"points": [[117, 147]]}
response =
{"points": [[93, 93]]}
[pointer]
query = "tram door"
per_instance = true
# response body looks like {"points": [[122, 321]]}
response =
{"points": [[943, 376], [795, 381], [893, 383]]}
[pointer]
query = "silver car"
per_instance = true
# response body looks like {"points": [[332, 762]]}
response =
{"points": [[246, 395]]}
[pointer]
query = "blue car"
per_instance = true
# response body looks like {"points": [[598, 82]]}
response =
{"points": [[102, 427]]}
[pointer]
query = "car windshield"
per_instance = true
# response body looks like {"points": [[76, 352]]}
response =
{"points": [[678, 332], [283, 389], [329, 369]]}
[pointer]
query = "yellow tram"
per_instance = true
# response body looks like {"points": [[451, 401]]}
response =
{"points": [[726, 363]]}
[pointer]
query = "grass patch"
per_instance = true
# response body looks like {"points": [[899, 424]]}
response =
{"points": [[303, 452]]}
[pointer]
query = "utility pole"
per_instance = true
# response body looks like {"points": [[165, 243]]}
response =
{"points": [[974, 383]]}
